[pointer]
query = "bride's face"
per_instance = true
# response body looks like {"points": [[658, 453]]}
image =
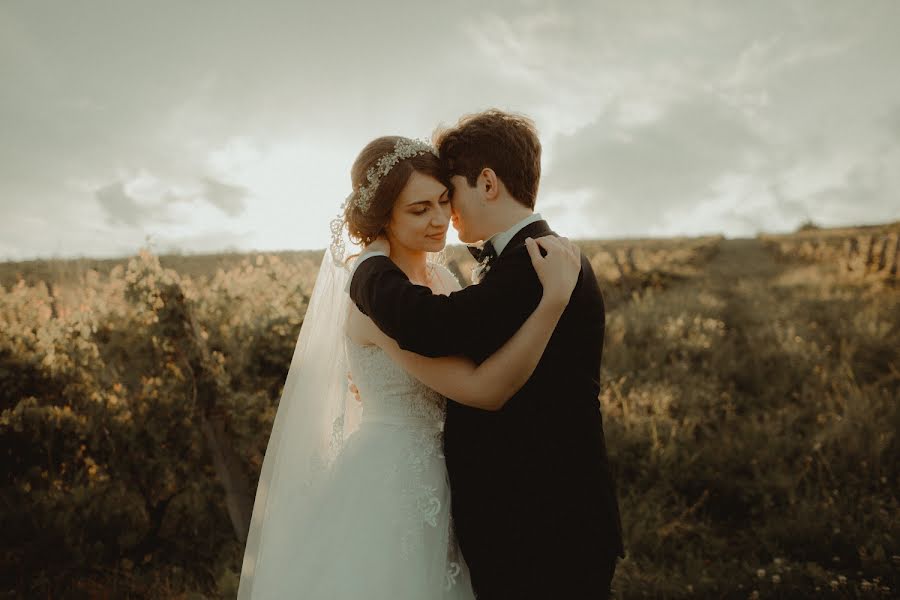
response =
{"points": [[421, 215]]}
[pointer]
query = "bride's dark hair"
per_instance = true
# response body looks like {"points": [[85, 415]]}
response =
{"points": [[362, 227]]}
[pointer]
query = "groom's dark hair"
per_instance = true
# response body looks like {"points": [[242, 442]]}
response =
{"points": [[502, 141]]}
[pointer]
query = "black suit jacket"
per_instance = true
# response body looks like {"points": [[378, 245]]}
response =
{"points": [[532, 494]]}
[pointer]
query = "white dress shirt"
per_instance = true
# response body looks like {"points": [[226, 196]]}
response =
{"points": [[500, 240]]}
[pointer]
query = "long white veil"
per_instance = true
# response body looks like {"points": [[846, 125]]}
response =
{"points": [[316, 413]]}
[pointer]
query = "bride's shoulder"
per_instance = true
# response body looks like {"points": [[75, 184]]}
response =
{"points": [[447, 278]]}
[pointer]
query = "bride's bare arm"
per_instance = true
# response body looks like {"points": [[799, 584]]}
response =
{"points": [[497, 379]]}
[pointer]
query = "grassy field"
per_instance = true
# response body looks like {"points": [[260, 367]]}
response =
{"points": [[752, 416], [750, 404]]}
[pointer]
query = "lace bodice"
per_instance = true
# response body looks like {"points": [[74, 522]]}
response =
{"points": [[390, 394]]}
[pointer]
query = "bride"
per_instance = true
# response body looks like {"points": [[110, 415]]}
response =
{"points": [[353, 500]]}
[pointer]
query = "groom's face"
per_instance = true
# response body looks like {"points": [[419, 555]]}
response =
{"points": [[467, 204]]}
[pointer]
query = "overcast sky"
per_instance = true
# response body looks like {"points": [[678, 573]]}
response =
{"points": [[221, 125]]}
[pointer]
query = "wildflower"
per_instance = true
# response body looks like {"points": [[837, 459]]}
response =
{"points": [[776, 579], [760, 573]]}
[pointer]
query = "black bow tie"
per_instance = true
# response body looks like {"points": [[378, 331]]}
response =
{"points": [[484, 254]]}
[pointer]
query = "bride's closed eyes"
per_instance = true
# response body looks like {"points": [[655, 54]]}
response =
{"points": [[420, 215], [420, 208]]}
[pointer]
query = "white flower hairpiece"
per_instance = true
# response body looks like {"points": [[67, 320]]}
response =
{"points": [[404, 148]]}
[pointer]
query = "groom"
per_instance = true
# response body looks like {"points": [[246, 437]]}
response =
{"points": [[533, 502]]}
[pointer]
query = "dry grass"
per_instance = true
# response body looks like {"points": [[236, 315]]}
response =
{"points": [[750, 404]]}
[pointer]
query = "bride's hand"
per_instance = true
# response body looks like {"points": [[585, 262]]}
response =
{"points": [[558, 270], [352, 387]]}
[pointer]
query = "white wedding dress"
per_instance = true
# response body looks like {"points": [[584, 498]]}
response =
{"points": [[376, 525], [380, 527]]}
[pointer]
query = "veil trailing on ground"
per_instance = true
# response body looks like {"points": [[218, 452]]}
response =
{"points": [[316, 413]]}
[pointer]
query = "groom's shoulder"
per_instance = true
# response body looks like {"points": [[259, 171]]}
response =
{"points": [[535, 229]]}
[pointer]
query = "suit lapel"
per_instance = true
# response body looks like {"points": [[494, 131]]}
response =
{"points": [[536, 229], [533, 230]]}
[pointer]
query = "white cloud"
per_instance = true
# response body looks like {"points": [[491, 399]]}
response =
{"points": [[206, 125], [230, 199]]}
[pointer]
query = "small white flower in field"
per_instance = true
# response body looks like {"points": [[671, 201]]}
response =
{"points": [[690, 589], [834, 584], [865, 586], [778, 561], [842, 579], [760, 573], [776, 579]]}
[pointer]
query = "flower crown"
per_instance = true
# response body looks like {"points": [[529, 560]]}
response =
{"points": [[404, 148], [362, 198]]}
